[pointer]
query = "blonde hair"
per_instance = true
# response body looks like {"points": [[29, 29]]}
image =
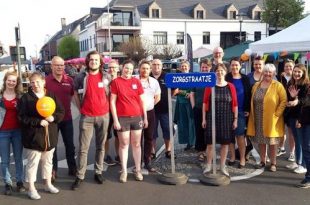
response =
{"points": [[18, 88]]}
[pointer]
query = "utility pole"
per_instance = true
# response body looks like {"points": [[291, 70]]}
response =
{"points": [[109, 29], [17, 38]]}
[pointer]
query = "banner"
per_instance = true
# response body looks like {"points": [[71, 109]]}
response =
{"points": [[189, 51]]}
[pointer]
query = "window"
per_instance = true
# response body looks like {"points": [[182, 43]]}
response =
{"points": [[232, 15], [94, 40], [155, 13], [180, 37], [199, 14], [90, 42], [257, 35], [257, 15], [206, 38], [118, 39], [160, 38], [122, 19]]}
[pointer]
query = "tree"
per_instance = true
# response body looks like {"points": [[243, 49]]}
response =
{"points": [[68, 48], [168, 51], [280, 13], [134, 49]]}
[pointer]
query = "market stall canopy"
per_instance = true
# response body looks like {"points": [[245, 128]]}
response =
{"points": [[8, 61], [201, 52], [294, 38]]}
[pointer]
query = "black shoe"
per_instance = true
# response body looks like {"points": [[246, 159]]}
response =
{"points": [[117, 159], [20, 187], [240, 166], [8, 189], [99, 178], [188, 147], [109, 161], [260, 165], [76, 184], [168, 155], [150, 168], [231, 163]]}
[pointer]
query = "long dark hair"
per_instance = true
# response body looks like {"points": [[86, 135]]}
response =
{"points": [[87, 60], [18, 87]]}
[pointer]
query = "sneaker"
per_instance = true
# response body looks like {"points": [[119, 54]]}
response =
{"points": [[304, 184], [109, 161], [281, 151], [51, 189], [99, 178], [76, 184], [292, 166], [207, 169], [224, 170], [123, 177], [291, 158], [300, 170], [138, 176], [20, 187], [34, 195], [273, 168], [8, 189]]}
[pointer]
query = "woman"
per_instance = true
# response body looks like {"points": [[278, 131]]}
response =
{"points": [[10, 132], [184, 116], [242, 86], [256, 75], [39, 134], [196, 99], [226, 116], [284, 79], [266, 122], [303, 129], [300, 82], [127, 92]]}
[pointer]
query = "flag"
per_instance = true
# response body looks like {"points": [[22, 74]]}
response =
{"points": [[189, 51]]}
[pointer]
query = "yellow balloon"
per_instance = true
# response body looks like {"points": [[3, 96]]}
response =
{"points": [[244, 57], [46, 106]]}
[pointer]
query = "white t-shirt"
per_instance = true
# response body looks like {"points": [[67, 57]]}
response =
{"points": [[151, 88]]}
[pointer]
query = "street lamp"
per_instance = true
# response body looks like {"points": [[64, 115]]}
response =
{"points": [[240, 17], [49, 46]]}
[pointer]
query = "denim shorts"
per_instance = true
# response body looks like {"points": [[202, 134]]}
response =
{"points": [[241, 127]]}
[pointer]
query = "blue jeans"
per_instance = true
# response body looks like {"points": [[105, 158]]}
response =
{"points": [[6, 139], [66, 129], [298, 142], [304, 131]]}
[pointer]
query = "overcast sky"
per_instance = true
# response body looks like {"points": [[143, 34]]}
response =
{"points": [[40, 18]]}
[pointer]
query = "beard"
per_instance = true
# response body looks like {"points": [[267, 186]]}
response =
{"points": [[93, 69]]}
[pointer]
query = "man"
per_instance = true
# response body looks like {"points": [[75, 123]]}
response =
{"points": [[218, 55], [113, 69], [161, 108], [91, 91], [62, 86], [152, 97]]}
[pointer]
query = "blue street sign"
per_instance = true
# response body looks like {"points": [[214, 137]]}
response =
{"points": [[190, 80]]}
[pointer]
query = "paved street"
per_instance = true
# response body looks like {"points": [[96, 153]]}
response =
{"points": [[266, 188]]}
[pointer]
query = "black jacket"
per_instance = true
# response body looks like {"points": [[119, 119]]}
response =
{"points": [[246, 87], [33, 134]]}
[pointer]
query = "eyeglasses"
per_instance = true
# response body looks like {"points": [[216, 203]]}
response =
{"points": [[156, 64], [112, 67], [58, 65]]}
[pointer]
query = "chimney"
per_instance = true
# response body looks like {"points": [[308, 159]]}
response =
{"points": [[63, 23]]}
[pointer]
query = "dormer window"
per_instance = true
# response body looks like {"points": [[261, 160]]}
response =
{"points": [[199, 14], [256, 12], [232, 14], [155, 13], [257, 15], [154, 10]]}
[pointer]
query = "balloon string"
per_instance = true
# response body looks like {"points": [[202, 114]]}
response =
{"points": [[47, 140]]}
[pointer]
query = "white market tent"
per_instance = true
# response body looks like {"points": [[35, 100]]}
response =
{"points": [[294, 38]]}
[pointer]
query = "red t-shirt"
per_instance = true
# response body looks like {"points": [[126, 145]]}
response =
{"points": [[128, 91], [10, 121], [95, 102]]}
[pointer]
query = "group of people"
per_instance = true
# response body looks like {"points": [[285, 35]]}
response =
{"points": [[256, 107]]}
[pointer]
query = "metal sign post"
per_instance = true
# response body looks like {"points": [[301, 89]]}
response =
{"points": [[182, 80]]}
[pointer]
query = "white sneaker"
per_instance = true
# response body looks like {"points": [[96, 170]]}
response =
{"points": [[300, 170], [224, 170], [291, 158], [51, 189], [34, 195], [292, 166], [207, 169]]}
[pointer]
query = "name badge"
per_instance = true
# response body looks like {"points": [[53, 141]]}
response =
{"points": [[134, 86], [80, 91], [106, 82], [100, 85]]}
